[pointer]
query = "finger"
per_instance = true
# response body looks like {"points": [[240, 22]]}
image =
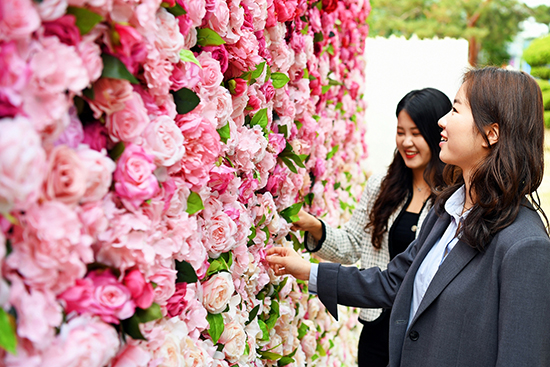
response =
{"points": [[276, 260]]}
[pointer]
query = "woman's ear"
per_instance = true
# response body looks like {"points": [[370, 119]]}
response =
{"points": [[492, 133]]}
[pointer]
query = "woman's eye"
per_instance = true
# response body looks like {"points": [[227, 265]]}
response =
{"points": [[454, 110]]}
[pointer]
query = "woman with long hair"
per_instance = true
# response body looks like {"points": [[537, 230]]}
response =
{"points": [[391, 210], [474, 288]]}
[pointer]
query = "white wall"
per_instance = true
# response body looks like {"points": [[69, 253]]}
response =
{"points": [[395, 66]]}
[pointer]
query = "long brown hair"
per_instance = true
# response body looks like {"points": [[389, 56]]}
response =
{"points": [[425, 107], [514, 166]]}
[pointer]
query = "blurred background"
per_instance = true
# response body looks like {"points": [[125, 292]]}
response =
{"points": [[415, 44]]}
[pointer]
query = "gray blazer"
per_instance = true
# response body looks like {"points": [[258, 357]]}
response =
{"points": [[481, 309]]}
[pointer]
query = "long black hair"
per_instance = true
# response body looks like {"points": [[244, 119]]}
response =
{"points": [[513, 168], [425, 107]]}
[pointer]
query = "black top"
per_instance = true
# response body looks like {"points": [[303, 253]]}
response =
{"points": [[403, 232]]}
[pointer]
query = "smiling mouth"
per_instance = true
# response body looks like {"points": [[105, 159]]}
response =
{"points": [[443, 139], [409, 154]]}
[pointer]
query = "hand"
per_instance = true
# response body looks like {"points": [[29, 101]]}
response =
{"points": [[284, 260], [309, 224]]}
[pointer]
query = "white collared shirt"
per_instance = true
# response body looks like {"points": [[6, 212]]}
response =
{"points": [[426, 272]]}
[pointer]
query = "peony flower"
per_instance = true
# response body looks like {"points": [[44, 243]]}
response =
{"points": [[19, 19], [185, 75], [163, 139], [127, 124], [220, 232], [234, 341], [220, 177], [99, 169], [142, 292], [218, 290], [91, 57], [63, 28], [168, 39], [131, 356], [134, 179]]}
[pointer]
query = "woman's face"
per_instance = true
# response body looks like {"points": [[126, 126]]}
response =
{"points": [[461, 143], [411, 144]]}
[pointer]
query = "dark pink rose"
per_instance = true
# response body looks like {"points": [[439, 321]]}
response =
{"points": [[268, 91], [220, 177], [185, 75], [95, 135], [177, 303], [219, 53], [286, 9], [6, 108], [63, 28], [329, 5], [131, 48], [142, 292]]}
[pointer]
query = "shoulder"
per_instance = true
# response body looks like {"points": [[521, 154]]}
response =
{"points": [[526, 230], [375, 180]]}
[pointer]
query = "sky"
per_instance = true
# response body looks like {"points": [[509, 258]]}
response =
{"points": [[537, 2]]}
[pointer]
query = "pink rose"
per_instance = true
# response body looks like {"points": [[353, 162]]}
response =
{"points": [[251, 148], [14, 76], [237, 86], [202, 147], [247, 188], [134, 179], [163, 139], [99, 169], [220, 177], [95, 136], [128, 124], [219, 19], [91, 57], [131, 48], [234, 341], [19, 19], [83, 341], [168, 39], [131, 356], [66, 176], [268, 91], [165, 279], [185, 75], [142, 292], [100, 294], [159, 105], [110, 95], [51, 9], [73, 134], [211, 72], [218, 290], [63, 28], [22, 164], [177, 303], [220, 232], [196, 10], [219, 53], [157, 73]]}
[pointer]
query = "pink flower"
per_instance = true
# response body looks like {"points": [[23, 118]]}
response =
{"points": [[83, 341], [15, 73], [73, 134], [95, 136], [63, 28], [100, 294], [177, 303], [66, 176], [22, 164], [202, 147], [19, 19], [91, 58], [165, 279], [168, 39], [163, 139], [219, 19], [237, 86], [220, 177], [128, 124], [218, 290], [142, 292], [157, 74], [277, 142], [131, 48], [268, 91], [134, 179], [247, 188], [99, 169], [219, 53], [110, 95], [131, 356], [220, 233], [251, 148], [286, 9], [211, 72], [185, 75], [234, 340]]}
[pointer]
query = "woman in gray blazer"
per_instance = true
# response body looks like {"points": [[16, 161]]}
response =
{"points": [[474, 288]]}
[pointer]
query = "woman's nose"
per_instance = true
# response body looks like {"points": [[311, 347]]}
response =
{"points": [[442, 121]]}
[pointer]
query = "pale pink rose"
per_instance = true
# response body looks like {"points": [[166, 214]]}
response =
{"points": [[309, 344], [197, 352], [142, 292], [38, 313], [165, 279], [220, 177], [66, 176], [128, 124], [168, 39], [220, 234], [134, 179], [185, 75], [49, 114], [163, 139], [91, 57], [224, 106], [93, 218], [202, 147], [196, 10], [219, 19], [52, 9], [157, 71], [83, 341], [144, 16], [63, 28], [241, 260], [99, 169], [234, 341], [22, 164], [102, 295], [218, 290], [211, 72], [131, 356], [49, 76], [19, 19], [178, 202], [168, 340], [15, 73], [95, 136], [110, 95]]}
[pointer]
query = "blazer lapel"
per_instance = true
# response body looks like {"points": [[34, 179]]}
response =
{"points": [[456, 260]]}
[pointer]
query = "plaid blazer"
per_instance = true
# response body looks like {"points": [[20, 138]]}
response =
{"points": [[351, 243]]}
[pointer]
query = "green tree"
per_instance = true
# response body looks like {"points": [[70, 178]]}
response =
{"points": [[488, 25], [541, 14], [537, 55]]}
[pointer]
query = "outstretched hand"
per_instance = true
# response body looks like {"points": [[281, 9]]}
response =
{"points": [[308, 223], [284, 260]]}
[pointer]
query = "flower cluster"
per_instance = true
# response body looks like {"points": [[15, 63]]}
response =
{"points": [[150, 152]]}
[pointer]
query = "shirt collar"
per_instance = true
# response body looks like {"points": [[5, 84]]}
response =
{"points": [[455, 204]]}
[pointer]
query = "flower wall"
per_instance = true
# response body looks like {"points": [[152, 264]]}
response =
{"points": [[149, 153]]}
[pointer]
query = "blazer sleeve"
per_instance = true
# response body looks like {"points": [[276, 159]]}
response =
{"points": [[365, 288], [524, 309], [345, 245]]}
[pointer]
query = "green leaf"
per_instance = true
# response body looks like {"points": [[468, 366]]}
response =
{"points": [[216, 266], [89, 93], [228, 258], [305, 29], [296, 243], [85, 20], [283, 130], [189, 56], [291, 213], [114, 68], [269, 355], [252, 236], [8, 339], [284, 361], [308, 199], [273, 315], [332, 151], [260, 118], [334, 82], [208, 37], [263, 328], [325, 89], [186, 273], [116, 151], [318, 37], [176, 10], [253, 314], [302, 330], [289, 164], [150, 314], [330, 49], [258, 71], [267, 74], [321, 350], [194, 203], [131, 327], [224, 132], [267, 234], [186, 100], [216, 326], [279, 80]]}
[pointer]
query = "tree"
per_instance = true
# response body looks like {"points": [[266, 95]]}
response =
{"points": [[488, 25]]}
